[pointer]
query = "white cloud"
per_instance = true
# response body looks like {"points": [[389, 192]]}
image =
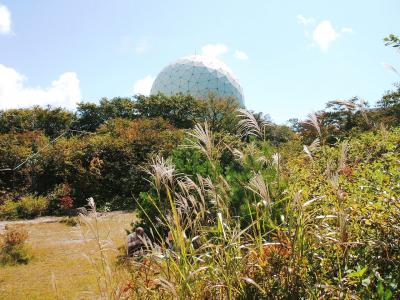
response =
{"points": [[64, 91], [241, 55], [324, 34], [143, 86], [142, 46], [5, 20], [129, 45], [305, 21], [347, 30], [214, 50]]}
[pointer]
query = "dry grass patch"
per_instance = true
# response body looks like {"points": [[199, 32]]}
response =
{"points": [[59, 260]]}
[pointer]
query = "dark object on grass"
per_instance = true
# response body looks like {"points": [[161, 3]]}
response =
{"points": [[79, 211], [70, 221], [138, 242]]}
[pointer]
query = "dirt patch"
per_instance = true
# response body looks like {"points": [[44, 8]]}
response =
{"points": [[60, 253], [53, 219], [39, 220]]}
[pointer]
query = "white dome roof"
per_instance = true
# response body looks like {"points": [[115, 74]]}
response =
{"points": [[198, 76]]}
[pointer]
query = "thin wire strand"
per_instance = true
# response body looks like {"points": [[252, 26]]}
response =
{"points": [[45, 147]]}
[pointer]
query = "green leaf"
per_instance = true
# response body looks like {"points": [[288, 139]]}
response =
{"points": [[358, 274], [388, 294]]}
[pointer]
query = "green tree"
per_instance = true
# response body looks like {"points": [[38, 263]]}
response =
{"points": [[52, 121], [390, 107], [19, 175], [221, 113], [91, 115], [181, 111]]}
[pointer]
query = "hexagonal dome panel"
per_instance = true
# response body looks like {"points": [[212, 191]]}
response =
{"points": [[198, 76]]}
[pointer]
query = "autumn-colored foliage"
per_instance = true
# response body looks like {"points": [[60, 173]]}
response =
{"points": [[12, 247]]}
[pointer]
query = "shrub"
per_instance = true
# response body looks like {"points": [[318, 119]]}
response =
{"points": [[12, 247], [66, 201], [70, 221], [59, 199], [31, 206], [28, 206], [332, 232], [9, 210]]}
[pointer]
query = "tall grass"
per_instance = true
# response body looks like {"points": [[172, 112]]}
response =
{"points": [[213, 256], [305, 242], [110, 278]]}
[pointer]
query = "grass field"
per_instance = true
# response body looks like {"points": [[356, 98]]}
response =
{"points": [[60, 268]]}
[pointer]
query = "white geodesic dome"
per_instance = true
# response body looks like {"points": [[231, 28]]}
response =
{"points": [[198, 76]]}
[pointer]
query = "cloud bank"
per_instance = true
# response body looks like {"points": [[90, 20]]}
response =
{"points": [[143, 86], [64, 91]]}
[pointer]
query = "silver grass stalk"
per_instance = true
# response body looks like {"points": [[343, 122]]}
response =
{"points": [[391, 68], [309, 149], [314, 145], [276, 160], [314, 122], [308, 152], [203, 140], [265, 161], [258, 186], [162, 172], [350, 105], [248, 124], [239, 155], [363, 108]]}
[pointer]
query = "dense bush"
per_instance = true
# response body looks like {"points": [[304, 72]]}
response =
{"points": [[59, 199], [31, 206], [28, 206], [317, 221], [8, 209], [52, 121], [106, 165], [101, 151], [15, 147], [356, 183], [234, 160]]}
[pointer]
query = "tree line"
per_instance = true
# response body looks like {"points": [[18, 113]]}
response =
{"points": [[100, 150]]}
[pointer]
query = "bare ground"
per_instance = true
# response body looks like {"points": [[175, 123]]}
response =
{"points": [[48, 219]]}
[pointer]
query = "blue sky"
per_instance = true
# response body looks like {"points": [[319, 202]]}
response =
{"points": [[291, 57]]}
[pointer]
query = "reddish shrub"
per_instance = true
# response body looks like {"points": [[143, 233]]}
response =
{"points": [[66, 201]]}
